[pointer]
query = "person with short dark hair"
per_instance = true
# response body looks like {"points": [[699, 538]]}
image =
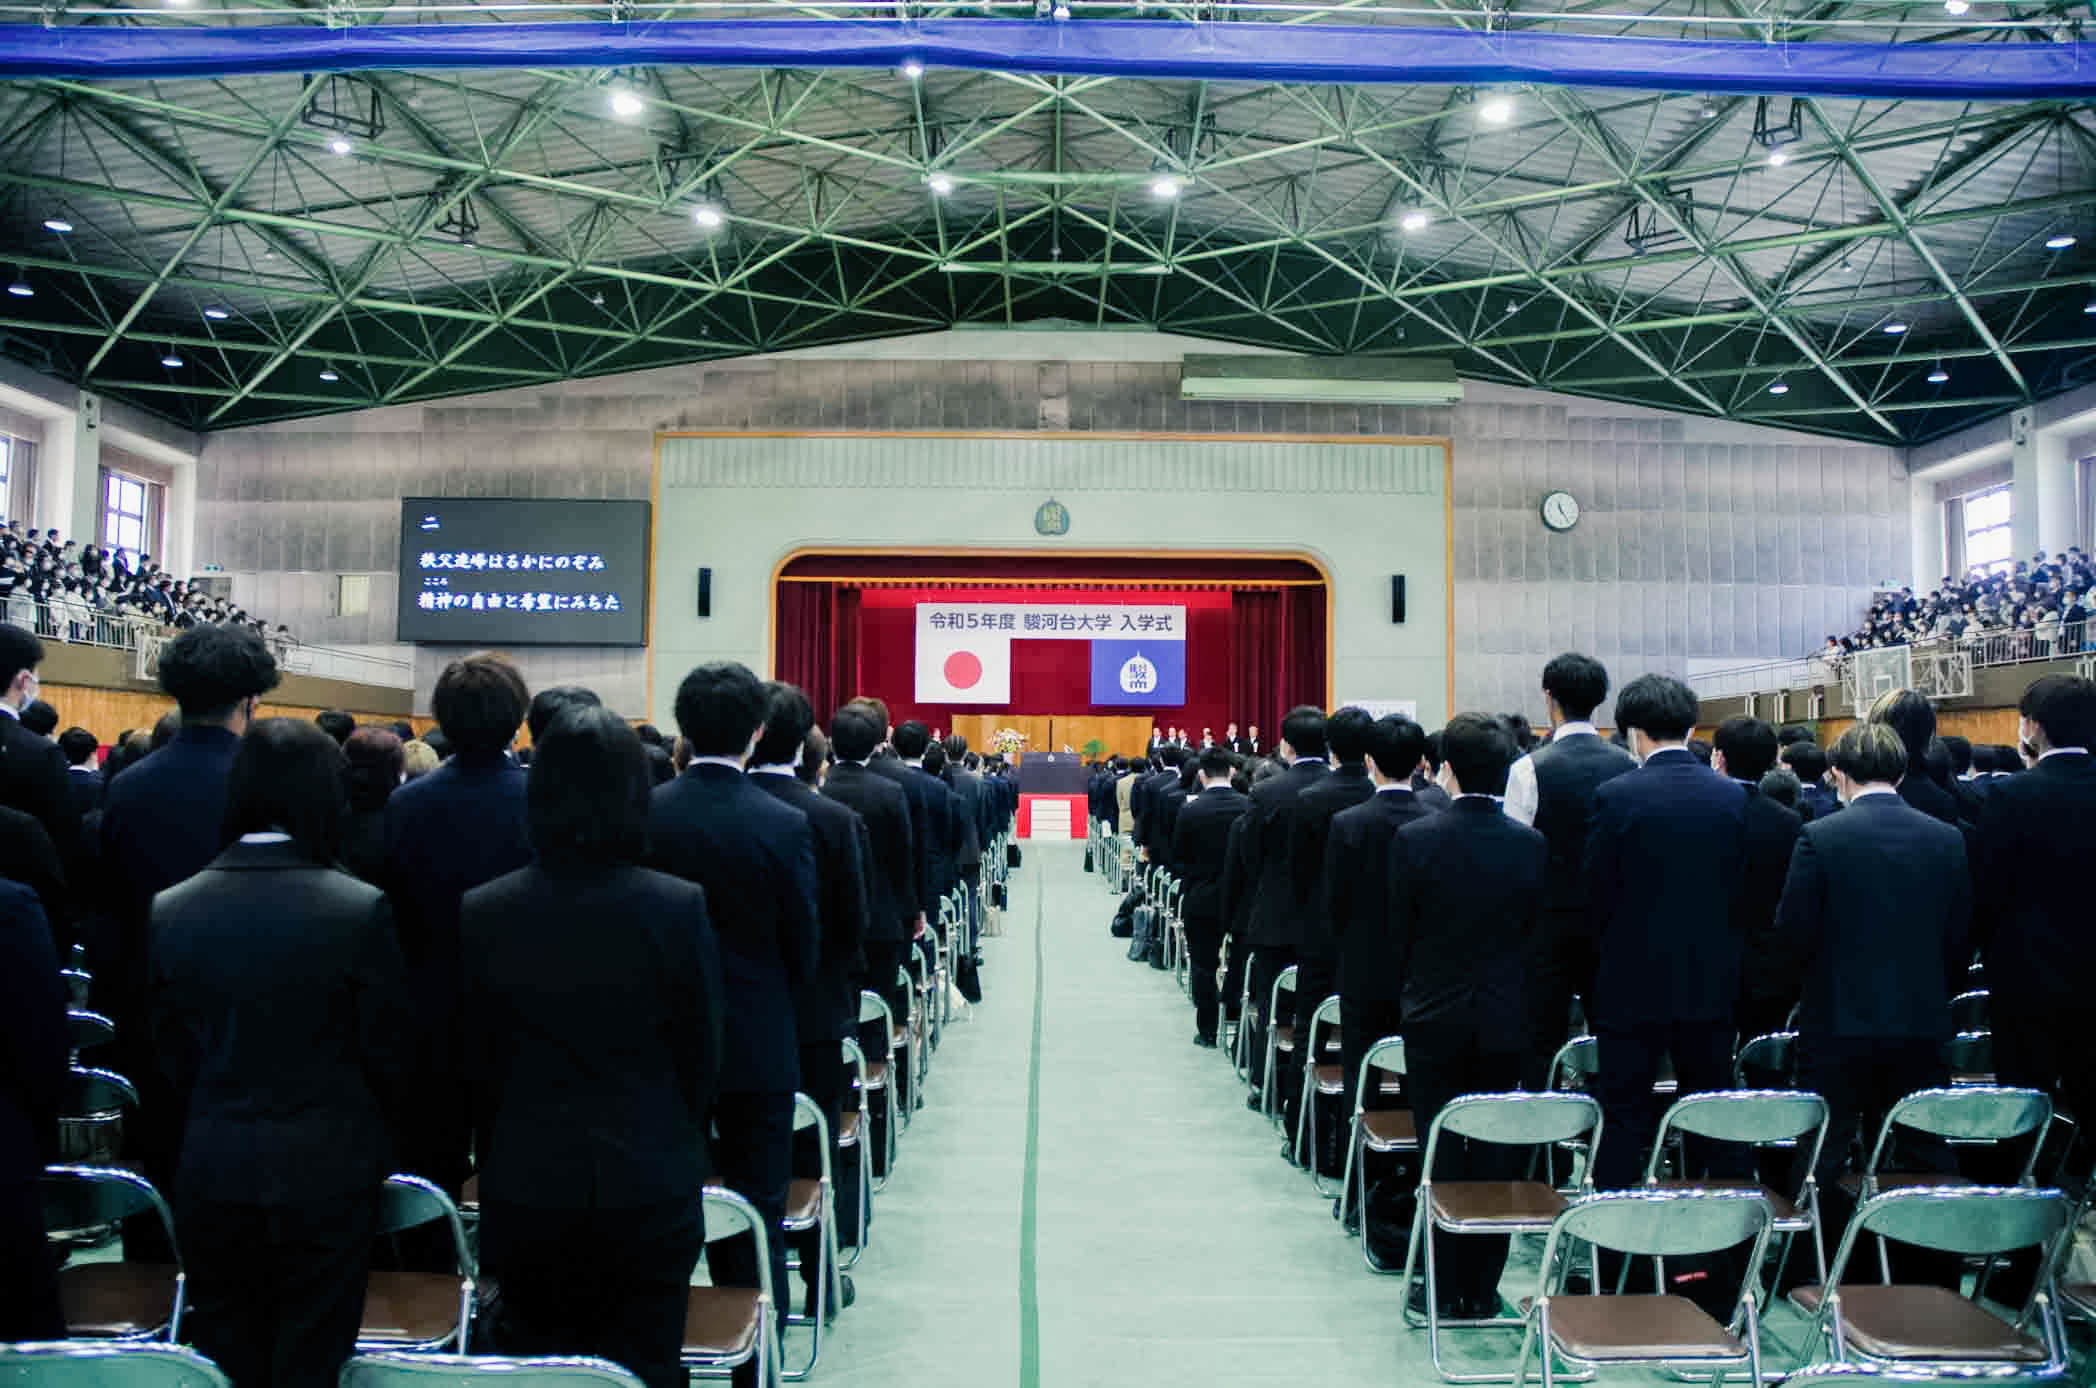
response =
{"points": [[972, 816], [32, 770], [1465, 893], [1809, 761], [547, 704], [1200, 846], [40, 718], [336, 724], [755, 856], [1910, 715], [1276, 924], [278, 1020], [591, 985], [1317, 952], [33, 1050], [912, 739], [1962, 787], [83, 778], [374, 766], [1745, 750], [1663, 861]]}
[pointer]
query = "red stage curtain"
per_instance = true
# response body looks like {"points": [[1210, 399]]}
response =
{"points": [[1277, 636], [817, 645]]}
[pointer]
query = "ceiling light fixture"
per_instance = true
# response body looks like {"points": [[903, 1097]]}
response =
{"points": [[1709, 110], [2060, 242], [329, 374], [57, 224], [1894, 328], [1939, 375], [1061, 13], [217, 313], [340, 145], [1496, 110], [21, 288], [1415, 220], [708, 217], [912, 69], [171, 360], [939, 184], [1957, 6], [1778, 388], [1778, 158], [1165, 187], [625, 102], [2089, 307]]}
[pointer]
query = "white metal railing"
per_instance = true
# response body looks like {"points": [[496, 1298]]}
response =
{"points": [[1949, 662], [330, 663], [76, 624]]}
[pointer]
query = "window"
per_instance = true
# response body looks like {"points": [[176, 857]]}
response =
{"points": [[1989, 538], [17, 477], [125, 508]]}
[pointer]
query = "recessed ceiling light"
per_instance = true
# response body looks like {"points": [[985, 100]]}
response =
{"points": [[1778, 158], [1939, 375], [340, 145], [1060, 13], [1496, 110], [217, 313], [940, 184], [1778, 388], [2089, 307], [1957, 6], [2060, 242], [1710, 109], [707, 216], [328, 374], [626, 103], [57, 224], [1894, 328], [171, 361], [1164, 186], [1415, 220], [21, 288], [912, 69]]}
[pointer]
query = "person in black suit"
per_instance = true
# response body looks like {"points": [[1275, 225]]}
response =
{"points": [[1154, 830], [447, 833], [83, 779], [1465, 893], [1276, 925], [1961, 786], [1348, 785], [943, 835], [885, 763], [2033, 910], [1663, 862], [278, 1001], [826, 1007], [972, 808], [892, 907], [1357, 900], [161, 822], [591, 1006], [32, 769], [1808, 760], [376, 762], [1426, 780], [755, 856], [1552, 790], [1745, 750], [1914, 719], [1200, 847], [32, 1085]]}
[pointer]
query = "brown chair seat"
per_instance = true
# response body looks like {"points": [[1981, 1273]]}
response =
{"points": [[107, 1301], [1527, 1203], [848, 1128], [876, 1074], [1330, 1079], [1639, 1327], [409, 1308], [1903, 1322], [469, 1193], [1284, 1037], [1781, 1207], [803, 1202], [1390, 1129], [722, 1322]]}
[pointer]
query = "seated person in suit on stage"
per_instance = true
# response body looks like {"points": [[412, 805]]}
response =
{"points": [[1466, 891], [592, 1022], [1663, 862], [1873, 928], [755, 856], [1200, 847]]}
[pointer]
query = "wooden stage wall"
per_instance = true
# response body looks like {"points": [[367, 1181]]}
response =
{"points": [[1124, 736]]}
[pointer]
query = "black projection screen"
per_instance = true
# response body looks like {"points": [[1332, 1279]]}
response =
{"points": [[486, 572]]}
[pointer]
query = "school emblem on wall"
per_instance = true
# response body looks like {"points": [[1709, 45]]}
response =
{"points": [[1053, 518]]}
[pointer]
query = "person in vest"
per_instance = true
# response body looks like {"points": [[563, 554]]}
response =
{"points": [[1552, 790]]}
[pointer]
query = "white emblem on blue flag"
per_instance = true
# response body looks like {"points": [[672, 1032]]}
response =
{"points": [[1138, 675]]}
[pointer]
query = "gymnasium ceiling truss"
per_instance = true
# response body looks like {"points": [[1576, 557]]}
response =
{"points": [[232, 250]]}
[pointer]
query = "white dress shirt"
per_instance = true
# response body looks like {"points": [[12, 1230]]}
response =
{"points": [[1522, 797]]}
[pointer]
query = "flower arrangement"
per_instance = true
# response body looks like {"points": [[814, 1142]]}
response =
{"points": [[1007, 742]]}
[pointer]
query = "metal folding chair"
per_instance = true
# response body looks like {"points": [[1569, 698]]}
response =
{"points": [[87, 1364], [1971, 1055], [1970, 1011], [1663, 1330], [1775, 1051], [1321, 1075], [113, 1300], [727, 1327], [1971, 1115], [91, 1118], [1931, 1327], [1376, 1130], [812, 1204], [480, 1371], [854, 1135], [881, 1077], [414, 1311], [1754, 1118], [1491, 1207], [1280, 1037], [87, 1030]]}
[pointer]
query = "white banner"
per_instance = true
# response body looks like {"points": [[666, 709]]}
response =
{"points": [[964, 649]]}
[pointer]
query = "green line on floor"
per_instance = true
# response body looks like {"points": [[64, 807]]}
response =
{"points": [[1029, 1196]]}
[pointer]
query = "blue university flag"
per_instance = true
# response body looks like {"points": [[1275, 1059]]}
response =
{"points": [[1149, 672]]}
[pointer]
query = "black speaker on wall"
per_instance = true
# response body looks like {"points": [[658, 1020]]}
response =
{"points": [[1397, 597], [705, 592]]}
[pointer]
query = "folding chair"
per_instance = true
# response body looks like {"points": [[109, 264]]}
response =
{"points": [[91, 1115], [1969, 1011], [727, 1327], [812, 1204], [1755, 1118], [880, 1077], [1970, 1115], [1320, 1076], [74, 1364], [1931, 1327], [418, 1311], [1773, 1052], [1971, 1055], [1491, 1207], [1635, 1329], [121, 1300], [853, 1135], [1280, 1037], [468, 1371], [87, 1030], [1376, 1130], [1241, 1035], [78, 984], [1848, 1376], [1572, 1071]]}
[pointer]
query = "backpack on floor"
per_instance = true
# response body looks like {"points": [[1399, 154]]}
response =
{"points": [[1087, 857], [1145, 919], [1011, 855], [1123, 927]]}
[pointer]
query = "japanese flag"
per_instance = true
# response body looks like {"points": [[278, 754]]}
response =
{"points": [[963, 667]]}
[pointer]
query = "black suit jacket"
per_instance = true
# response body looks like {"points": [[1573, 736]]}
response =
{"points": [[33, 779], [1771, 835], [1201, 850], [83, 789], [28, 856], [1170, 801], [1821, 801], [1347, 787], [1240, 887], [827, 1006], [1568, 770], [756, 859], [1357, 891], [891, 857], [1931, 799], [1874, 922], [32, 1039], [1664, 855], [923, 893], [446, 833], [278, 1005], [1269, 839], [942, 827], [2032, 914], [591, 1054], [1466, 889]]}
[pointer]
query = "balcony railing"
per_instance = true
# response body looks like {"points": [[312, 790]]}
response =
{"points": [[1946, 659]]}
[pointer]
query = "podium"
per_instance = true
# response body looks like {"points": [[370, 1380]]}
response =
{"points": [[1051, 773], [1051, 796]]}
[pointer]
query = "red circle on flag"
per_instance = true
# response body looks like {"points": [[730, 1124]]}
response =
{"points": [[963, 669]]}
